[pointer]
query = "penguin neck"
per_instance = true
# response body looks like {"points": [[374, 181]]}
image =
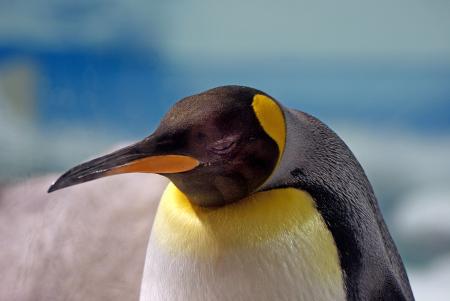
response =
{"points": [[181, 226], [290, 157], [201, 253]]}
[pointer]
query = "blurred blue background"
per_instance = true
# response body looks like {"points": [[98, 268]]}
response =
{"points": [[77, 77]]}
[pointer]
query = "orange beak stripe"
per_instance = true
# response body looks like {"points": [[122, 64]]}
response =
{"points": [[157, 164]]}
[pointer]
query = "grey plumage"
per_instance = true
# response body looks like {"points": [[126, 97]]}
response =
{"points": [[83, 243]]}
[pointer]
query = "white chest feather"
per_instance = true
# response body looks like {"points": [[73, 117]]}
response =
{"points": [[271, 246]]}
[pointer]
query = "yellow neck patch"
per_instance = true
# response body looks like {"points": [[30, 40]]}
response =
{"points": [[271, 118], [279, 217]]}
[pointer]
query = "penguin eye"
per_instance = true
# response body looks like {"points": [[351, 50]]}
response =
{"points": [[223, 146]]}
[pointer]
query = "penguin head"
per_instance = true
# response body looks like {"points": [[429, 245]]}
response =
{"points": [[217, 147]]}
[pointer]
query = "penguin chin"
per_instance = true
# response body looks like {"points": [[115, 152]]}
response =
{"points": [[218, 191]]}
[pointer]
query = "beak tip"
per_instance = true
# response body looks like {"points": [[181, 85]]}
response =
{"points": [[57, 185], [52, 188]]}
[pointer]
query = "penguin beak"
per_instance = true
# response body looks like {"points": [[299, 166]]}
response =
{"points": [[141, 157]]}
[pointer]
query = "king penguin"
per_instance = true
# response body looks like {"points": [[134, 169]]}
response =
{"points": [[264, 203]]}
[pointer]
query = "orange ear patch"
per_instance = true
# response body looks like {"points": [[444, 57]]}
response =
{"points": [[271, 118]]}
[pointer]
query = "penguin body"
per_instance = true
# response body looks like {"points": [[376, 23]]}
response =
{"points": [[322, 164], [266, 203], [273, 245]]}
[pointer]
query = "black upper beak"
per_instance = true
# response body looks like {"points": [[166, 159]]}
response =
{"points": [[140, 157]]}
